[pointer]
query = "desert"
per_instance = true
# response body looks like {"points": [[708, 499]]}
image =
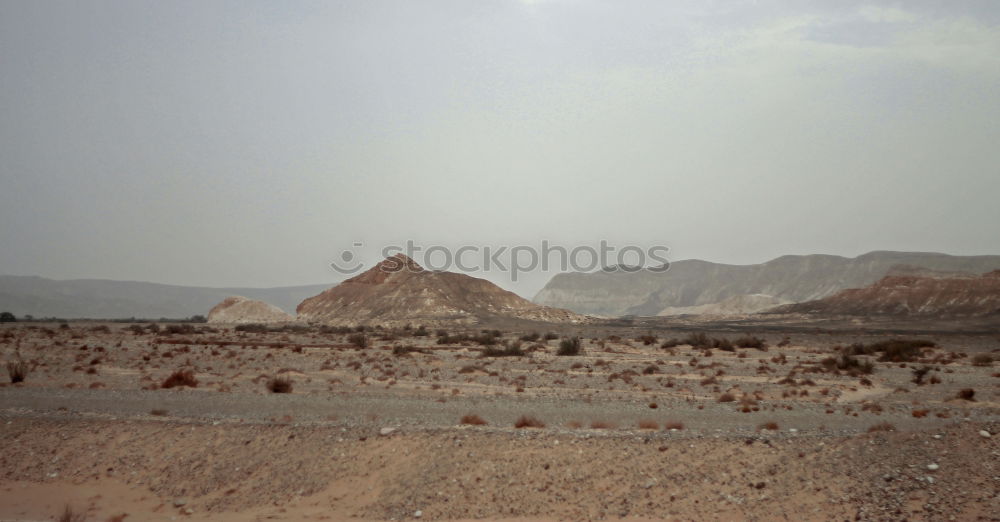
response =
{"points": [[301, 422], [499, 260]]}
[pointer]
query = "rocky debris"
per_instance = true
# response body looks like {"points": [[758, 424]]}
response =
{"points": [[385, 432], [398, 291], [242, 310], [912, 295], [985, 434]]}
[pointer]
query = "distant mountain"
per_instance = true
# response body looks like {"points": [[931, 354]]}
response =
{"points": [[912, 295], [398, 291], [106, 299], [735, 305], [793, 278]]}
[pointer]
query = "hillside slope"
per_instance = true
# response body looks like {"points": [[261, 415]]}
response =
{"points": [[792, 278]]}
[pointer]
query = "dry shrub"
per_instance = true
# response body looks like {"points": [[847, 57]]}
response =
{"points": [[569, 347], [602, 425], [919, 414], [359, 340], [527, 421], [279, 384], [673, 425], [983, 359], [17, 370], [574, 425], [653, 406], [180, 378], [750, 341], [159, 412], [769, 425], [966, 394], [882, 426], [473, 420], [68, 515], [727, 397], [648, 425]]}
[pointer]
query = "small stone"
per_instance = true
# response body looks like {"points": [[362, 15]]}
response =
{"points": [[180, 502], [985, 434], [386, 431], [649, 483], [933, 467], [418, 514], [937, 437], [793, 430]]}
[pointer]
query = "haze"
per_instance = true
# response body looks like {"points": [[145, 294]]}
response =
{"points": [[249, 143]]}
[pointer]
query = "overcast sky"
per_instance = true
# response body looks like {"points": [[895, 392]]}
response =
{"points": [[249, 143]]}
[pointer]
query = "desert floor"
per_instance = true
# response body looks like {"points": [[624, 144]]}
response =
{"points": [[627, 429]]}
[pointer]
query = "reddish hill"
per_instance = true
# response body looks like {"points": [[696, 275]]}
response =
{"points": [[398, 291], [914, 295]]}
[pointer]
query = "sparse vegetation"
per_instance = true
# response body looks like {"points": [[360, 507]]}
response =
{"points": [[358, 340], [648, 425], [527, 421], [180, 378], [17, 371], [882, 426], [750, 341], [769, 425], [473, 420], [966, 394], [570, 346], [279, 384], [983, 359], [68, 515], [508, 350], [673, 425]]}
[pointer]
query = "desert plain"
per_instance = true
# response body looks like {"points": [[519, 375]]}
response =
{"points": [[522, 421]]}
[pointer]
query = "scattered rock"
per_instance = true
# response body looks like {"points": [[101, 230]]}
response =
{"points": [[984, 434], [386, 431], [933, 467]]}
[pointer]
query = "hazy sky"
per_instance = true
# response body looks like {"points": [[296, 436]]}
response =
{"points": [[249, 143]]}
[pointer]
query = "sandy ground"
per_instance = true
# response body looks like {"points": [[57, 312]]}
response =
{"points": [[92, 428]]}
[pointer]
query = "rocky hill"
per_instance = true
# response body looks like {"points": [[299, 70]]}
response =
{"points": [[398, 291], [793, 278], [912, 295], [241, 310]]}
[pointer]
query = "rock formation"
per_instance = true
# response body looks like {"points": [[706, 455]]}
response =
{"points": [[241, 310], [693, 282], [398, 291], [912, 295]]}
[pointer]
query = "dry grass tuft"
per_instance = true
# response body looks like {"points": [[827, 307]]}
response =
{"points": [[180, 378], [473, 420], [648, 425], [279, 385], [17, 370], [527, 421], [770, 425], [882, 426], [673, 425]]}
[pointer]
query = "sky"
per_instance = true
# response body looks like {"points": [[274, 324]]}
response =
{"points": [[250, 143]]}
